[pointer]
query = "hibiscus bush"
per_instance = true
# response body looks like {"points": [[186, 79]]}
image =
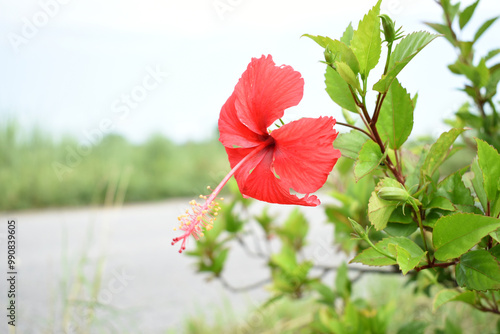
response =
{"points": [[400, 207]]}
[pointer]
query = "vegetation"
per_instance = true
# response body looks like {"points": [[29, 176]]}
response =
{"points": [[37, 171]]}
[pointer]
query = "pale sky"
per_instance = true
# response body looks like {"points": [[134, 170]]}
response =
{"points": [[139, 67]]}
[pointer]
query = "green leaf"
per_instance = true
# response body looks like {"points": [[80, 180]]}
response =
{"points": [[294, 230], [484, 27], [340, 51], [478, 184], [443, 30], [438, 152], [396, 116], [379, 210], [495, 251], [400, 230], [489, 163], [491, 87], [350, 144], [441, 203], [347, 74], [366, 42], [339, 90], [327, 295], [456, 234], [478, 270], [347, 36], [451, 295], [403, 53], [368, 160], [406, 260], [371, 257], [219, 261], [492, 54], [413, 327], [454, 189], [286, 259], [483, 73], [322, 41], [342, 281], [467, 13]]}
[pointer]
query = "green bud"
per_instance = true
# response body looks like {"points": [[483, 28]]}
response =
{"points": [[393, 194], [388, 26], [358, 229], [329, 59]]}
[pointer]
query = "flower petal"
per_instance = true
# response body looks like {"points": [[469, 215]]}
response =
{"points": [[304, 155], [232, 131], [256, 179], [264, 91]]}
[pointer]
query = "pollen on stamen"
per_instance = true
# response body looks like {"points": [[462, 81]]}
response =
{"points": [[197, 220]]}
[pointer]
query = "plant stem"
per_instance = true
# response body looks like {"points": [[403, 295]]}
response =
{"points": [[436, 265], [379, 250], [421, 227], [356, 128]]}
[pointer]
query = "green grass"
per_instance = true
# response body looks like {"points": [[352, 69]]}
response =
{"points": [[37, 171]]}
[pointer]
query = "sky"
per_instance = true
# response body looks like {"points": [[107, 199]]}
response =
{"points": [[89, 68]]}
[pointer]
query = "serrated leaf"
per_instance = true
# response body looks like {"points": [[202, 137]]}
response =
{"points": [[350, 144], [339, 90], [379, 210], [371, 257], [484, 27], [478, 270], [454, 235], [368, 160], [450, 295], [466, 14], [347, 74], [396, 116], [489, 163], [438, 152], [366, 42], [406, 260], [403, 53], [347, 36]]}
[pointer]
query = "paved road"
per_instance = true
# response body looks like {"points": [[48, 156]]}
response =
{"points": [[147, 283]]}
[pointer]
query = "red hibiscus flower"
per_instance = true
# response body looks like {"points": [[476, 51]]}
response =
{"points": [[267, 164]]}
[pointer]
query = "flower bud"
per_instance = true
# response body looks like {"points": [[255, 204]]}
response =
{"points": [[329, 59], [388, 26], [393, 194], [358, 229]]}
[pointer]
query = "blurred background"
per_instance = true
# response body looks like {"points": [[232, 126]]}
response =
{"points": [[108, 124]]}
